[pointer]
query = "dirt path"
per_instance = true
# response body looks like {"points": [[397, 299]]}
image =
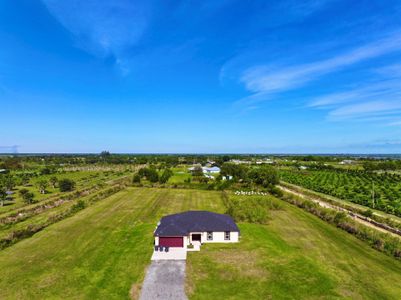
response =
{"points": [[357, 217]]}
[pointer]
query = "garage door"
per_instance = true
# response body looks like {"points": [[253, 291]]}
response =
{"points": [[171, 241]]}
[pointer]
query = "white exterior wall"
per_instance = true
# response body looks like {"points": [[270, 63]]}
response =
{"points": [[218, 237], [186, 241]]}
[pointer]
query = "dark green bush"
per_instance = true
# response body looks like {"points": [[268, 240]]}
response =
{"points": [[66, 185]]}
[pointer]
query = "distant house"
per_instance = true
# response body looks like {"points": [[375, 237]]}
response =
{"points": [[195, 227], [212, 170], [347, 162], [264, 161], [227, 177], [239, 162]]}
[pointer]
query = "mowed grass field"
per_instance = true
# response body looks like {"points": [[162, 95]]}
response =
{"points": [[103, 251], [100, 252]]}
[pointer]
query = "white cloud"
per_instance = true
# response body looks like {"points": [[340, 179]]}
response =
{"points": [[263, 80], [101, 27], [382, 89], [367, 109]]}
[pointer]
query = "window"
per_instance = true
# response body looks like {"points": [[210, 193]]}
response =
{"points": [[227, 235], [210, 236]]}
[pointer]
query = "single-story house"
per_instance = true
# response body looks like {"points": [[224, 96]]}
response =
{"points": [[212, 170], [195, 227]]}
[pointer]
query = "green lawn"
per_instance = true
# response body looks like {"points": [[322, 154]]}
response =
{"points": [[295, 256], [98, 253], [102, 252], [180, 174]]}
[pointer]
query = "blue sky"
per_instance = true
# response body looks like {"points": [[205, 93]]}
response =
{"points": [[321, 76]]}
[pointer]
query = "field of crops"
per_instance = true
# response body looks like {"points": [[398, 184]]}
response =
{"points": [[379, 191]]}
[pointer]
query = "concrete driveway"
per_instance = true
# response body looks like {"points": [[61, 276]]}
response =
{"points": [[165, 279], [172, 254]]}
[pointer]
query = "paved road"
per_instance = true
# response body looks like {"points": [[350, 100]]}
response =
{"points": [[165, 279]]}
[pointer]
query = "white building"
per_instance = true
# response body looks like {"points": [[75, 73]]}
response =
{"points": [[195, 228], [212, 170]]}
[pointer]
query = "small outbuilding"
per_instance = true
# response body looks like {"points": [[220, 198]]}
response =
{"points": [[195, 228]]}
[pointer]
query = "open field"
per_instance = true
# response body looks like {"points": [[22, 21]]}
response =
{"points": [[180, 174], [102, 252], [295, 256], [98, 253]]}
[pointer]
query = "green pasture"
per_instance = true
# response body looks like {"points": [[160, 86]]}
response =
{"points": [[102, 253]]}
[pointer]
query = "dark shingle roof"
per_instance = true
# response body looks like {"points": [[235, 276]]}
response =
{"points": [[194, 221]]}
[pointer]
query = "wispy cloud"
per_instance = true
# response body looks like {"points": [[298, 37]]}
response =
{"points": [[382, 89], [368, 109], [395, 123], [264, 81], [305, 7], [393, 70], [375, 101], [102, 28]]}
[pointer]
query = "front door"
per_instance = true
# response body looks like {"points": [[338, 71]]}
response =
{"points": [[196, 237]]}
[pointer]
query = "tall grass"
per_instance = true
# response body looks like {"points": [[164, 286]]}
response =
{"points": [[380, 241], [252, 209]]}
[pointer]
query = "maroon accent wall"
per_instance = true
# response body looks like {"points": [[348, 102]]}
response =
{"points": [[171, 241]]}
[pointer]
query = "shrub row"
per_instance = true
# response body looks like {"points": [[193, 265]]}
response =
{"points": [[378, 240]]}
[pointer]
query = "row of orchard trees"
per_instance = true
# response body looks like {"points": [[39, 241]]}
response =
{"points": [[9, 182], [380, 191]]}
